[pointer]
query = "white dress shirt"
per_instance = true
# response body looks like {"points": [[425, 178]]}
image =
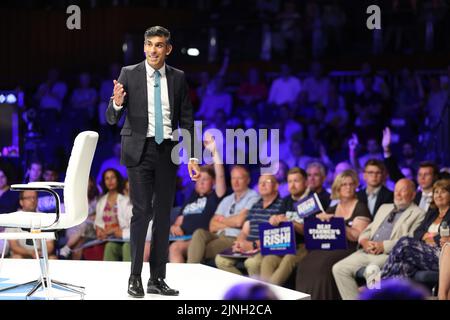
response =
{"points": [[167, 124]]}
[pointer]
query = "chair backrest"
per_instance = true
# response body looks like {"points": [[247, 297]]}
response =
{"points": [[77, 178]]}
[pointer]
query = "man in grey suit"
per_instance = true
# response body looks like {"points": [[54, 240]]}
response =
{"points": [[156, 101], [392, 221]]}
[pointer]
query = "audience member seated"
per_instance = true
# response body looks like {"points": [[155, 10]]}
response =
{"points": [[200, 208], [421, 252], [83, 103], [426, 176], [78, 235], [252, 91], [391, 222], [317, 84], [285, 89], [314, 274], [375, 193], [444, 273], [373, 152], [247, 241], [18, 247], [34, 172], [113, 217], [113, 162], [336, 114], [46, 201], [219, 99], [227, 222], [368, 109], [378, 84], [50, 97], [436, 101], [276, 269], [297, 156], [316, 177], [9, 200]]}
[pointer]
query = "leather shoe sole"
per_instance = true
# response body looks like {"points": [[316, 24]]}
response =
{"points": [[164, 293], [135, 295]]}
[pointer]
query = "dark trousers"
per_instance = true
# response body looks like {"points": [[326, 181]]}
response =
{"points": [[152, 191]]}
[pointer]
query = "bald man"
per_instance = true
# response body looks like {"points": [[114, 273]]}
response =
{"points": [[392, 221]]}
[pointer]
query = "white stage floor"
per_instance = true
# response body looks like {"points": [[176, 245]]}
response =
{"points": [[108, 280]]}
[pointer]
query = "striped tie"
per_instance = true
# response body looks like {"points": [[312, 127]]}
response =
{"points": [[159, 132]]}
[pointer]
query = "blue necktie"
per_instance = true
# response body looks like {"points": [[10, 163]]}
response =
{"points": [[159, 132]]}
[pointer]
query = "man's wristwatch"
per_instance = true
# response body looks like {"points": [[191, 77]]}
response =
{"points": [[255, 245]]}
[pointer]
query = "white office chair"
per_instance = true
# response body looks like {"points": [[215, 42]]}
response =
{"points": [[75, 188]]}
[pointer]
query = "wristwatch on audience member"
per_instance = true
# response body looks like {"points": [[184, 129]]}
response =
{"points": [[255, 245]]}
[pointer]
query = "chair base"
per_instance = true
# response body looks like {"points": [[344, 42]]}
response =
{"points": [[38, 283]]}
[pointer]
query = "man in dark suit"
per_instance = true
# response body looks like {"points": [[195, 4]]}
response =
{"points": [[426, 175], [375, 193], [155, 98]]}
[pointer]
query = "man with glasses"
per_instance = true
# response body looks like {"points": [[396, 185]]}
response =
{"points": [[227, 222], [19, 249], [375, 193], [391, 222], [269, 204]]}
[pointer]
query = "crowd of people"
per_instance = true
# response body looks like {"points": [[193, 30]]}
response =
{"points": [[399, 230], [392, 191]]}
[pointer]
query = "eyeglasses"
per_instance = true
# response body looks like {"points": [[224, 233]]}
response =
{"points": [[268, 181]]}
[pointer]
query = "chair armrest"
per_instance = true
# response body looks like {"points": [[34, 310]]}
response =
{"points": [[49, 184], [41, 187]]}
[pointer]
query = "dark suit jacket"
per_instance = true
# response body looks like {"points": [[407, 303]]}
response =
{"points": [[396, 174], [431, 215], [384, 196], [134, 131]]}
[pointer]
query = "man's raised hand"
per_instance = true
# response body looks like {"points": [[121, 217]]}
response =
{"points": [[119, 93]]}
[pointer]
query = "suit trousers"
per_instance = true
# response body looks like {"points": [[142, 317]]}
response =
{"points": [[152, 192]]}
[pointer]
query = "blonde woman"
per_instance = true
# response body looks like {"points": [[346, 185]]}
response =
{"points": [[314, 272]]}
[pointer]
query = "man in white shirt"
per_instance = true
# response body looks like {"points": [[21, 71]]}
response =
{"points": [[156, 99]]}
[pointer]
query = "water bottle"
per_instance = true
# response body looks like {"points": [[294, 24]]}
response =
{"points": [[444, 230]]}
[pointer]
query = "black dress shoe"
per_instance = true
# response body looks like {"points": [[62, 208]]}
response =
{"points": [[135, 288], [158, 286]]}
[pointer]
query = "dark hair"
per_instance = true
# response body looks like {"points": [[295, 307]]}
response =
{"points": [[298, 170], [440, 184], [209, 169], [430, 164], [92, 192], [376, 163], [157, 31], [120, 182]]}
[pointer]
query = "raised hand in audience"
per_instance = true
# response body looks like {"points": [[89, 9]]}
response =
{"points": [[386, 141]]}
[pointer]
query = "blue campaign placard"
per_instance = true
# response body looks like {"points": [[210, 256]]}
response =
{"points": [[325, 235], [279, 240], [309, 206]]}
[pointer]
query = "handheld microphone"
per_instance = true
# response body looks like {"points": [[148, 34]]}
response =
{"points": [[444, 230]]}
